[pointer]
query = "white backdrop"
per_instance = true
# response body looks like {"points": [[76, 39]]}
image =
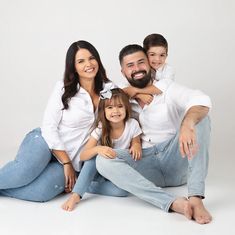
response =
{"points": [[35, 35]]}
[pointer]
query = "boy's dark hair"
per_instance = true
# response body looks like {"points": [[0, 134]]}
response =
{"points": [[155, 40], [130, 49]]}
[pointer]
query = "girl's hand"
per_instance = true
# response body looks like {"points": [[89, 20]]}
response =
{"points": [[70, 177], [106, 152], [136, 151]]}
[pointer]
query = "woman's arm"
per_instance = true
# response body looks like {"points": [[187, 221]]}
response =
{"points": [[91, 149], [69, 172]]}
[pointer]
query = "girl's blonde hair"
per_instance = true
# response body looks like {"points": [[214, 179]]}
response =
{"points": [[117, 95]]}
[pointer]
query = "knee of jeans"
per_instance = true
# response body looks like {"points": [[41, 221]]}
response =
{"points": [[204, 126], [102, 164]]}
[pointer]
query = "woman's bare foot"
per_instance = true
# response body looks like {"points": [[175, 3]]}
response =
{"points": [[181, 205], [71, 202], [200, 214]]}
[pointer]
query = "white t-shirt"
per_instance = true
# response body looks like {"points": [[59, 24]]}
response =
{"points": [[161, 119], [69, 129], [166, 71], [132, 129]]}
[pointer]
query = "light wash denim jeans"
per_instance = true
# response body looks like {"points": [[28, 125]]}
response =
{"points": [[160, 166], [89, 180], [36, 175]]}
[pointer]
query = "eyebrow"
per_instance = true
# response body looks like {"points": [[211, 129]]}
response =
{"points": [[140, 60]]}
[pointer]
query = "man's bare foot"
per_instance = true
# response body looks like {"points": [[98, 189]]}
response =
{"points": [[200, 214], [71, 202], [181, 205]]}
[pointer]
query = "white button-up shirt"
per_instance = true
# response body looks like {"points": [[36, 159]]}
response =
{"points": [[166, 71], [161, 119], [69, 129]]}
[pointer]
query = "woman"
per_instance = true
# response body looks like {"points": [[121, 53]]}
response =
{"points": [[48, 159]]}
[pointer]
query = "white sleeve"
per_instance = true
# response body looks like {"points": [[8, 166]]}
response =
{"points": [[135, 127], [96, 134], [185, 98], [169, 73], [52, 118]]}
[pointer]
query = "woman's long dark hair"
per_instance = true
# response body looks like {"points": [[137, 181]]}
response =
{"points": [[71, 77]]}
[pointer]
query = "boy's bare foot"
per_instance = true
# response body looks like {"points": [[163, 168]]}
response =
{"points": [[181, 205], [200, 214], [71, 202]]}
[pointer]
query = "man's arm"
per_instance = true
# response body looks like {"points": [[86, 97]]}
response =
{"points": [[187, 136]]}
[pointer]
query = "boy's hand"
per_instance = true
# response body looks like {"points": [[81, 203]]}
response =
{"points": [[145, 98]]}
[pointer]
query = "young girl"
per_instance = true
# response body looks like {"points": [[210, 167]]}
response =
{"points": [[114, 130]]}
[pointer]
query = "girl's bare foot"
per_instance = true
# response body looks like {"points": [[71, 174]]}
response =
{"points": [[181, 205], [200, 214], [71, 202]]}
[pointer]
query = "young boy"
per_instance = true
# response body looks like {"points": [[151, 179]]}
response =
{"points": [[156, 47]]}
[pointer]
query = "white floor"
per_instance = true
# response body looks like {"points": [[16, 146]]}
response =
{"points": [[108, 215]]}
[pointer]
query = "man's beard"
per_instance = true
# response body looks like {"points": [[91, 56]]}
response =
{"points": [[142, 82]]}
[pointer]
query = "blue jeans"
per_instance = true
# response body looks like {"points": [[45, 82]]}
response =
{"points": [[89, 180], [160, 166], [35, 175]]}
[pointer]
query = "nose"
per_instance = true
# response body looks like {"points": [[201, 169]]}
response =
{"points": [[88, 63], [136, 68]]}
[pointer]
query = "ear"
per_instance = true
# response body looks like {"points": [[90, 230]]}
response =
{"points": [[122, 72]]}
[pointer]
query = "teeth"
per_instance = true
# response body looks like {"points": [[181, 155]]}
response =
{"points": [[89, 70], [138, 75]]}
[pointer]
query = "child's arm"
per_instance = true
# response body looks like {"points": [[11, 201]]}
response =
{"points": [[91, 149], [134, 91], [143, 94], [135, 148]]}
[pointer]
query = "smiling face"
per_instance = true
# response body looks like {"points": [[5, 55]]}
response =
{"points": [[157, 56], [136, 69], [115, 111], [86, 65]]}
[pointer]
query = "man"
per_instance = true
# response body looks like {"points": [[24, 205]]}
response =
{"points": [[176, 132]]}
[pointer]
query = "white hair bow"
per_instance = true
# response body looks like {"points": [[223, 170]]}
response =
{"points": [[106, 93]]}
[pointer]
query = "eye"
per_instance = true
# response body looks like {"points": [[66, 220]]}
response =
{"points": [[92, 58], [120, 106], [109, 107], [79, 61]]}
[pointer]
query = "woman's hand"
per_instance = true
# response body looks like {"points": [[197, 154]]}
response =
{"points": [[70, 177]]}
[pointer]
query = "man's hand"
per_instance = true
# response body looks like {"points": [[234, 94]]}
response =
{"points": [[187, 141], [187, 136]]}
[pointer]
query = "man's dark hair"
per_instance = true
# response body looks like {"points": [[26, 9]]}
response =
{"points": [[130, 49]]}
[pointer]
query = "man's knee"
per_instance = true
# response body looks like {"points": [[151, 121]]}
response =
{"points": [[103, 165], [204, 123]]}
